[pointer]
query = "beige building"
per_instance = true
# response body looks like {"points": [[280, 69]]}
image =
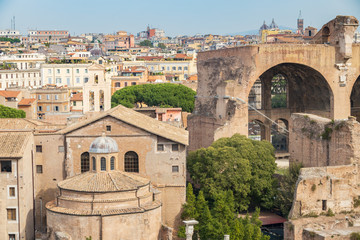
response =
{"points": [[113, 204], [20, 78], [16, 182], [72, 75]]}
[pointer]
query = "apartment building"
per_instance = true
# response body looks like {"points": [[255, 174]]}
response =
{"points": [[20, 78], [129, 77], [10, 34], [120, 40], [16, 182], [72, 75], [51, 99], [52, 36], [24, 61]]}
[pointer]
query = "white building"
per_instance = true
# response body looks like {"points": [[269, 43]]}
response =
{"points": [[10, 34], [72, 75], [24, 61], [20, 78]]}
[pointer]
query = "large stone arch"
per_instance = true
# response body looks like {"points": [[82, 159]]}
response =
{"points": [[355, 99]]}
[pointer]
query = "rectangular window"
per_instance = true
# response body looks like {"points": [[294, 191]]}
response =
{"points": [[175, 168], [86, 80], [185, 68], [49, 80], [56, 108], [5, 166], [61, 148], [74, 103], [175, 147], [56, 97], [108, 128], [160, 147], [12, 192], [179, 68], [11, 214], [77, 71], [49, 71], [38, 148], [39, 108], [86, 71], [39, 97], [58, 71], [324, 207], [68, 81], [39, 169], [77, 80], [48, 108], [67, 70], [58, 80], [12, 237], [173, 68], [133, 83], [47, 97]]}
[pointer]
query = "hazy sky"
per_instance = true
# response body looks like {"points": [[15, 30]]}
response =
{"points": [[186, 17]]}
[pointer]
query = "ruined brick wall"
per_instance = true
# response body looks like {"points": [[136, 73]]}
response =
{"points": [[317, 141]]}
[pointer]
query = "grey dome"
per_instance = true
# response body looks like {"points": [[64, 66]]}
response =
{"points": [[104, 145]]}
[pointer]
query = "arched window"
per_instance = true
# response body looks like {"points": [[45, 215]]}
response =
{"points": [[103, 164], [94, 163], [96, 79], [85, 162], [112, 163], [131, 162]]}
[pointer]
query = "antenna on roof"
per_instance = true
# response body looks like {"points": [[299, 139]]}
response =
{"points": [[299, 15]]}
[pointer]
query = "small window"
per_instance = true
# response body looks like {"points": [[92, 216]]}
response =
{"points": [[11, 214], [56, 108], [175, 147], [77, 71], [324, 207], [103, 164], [47, 97], [39, 97], [38, 148], [5, 166], [56, 97], [12, 192], [175, 168], [12, 237], [108, 128], [174, 68], [117, 84], [58, 70], [39, 169], [67, 70], [160, 147], [86, 71], [77, 80], [94, 163], [61, 148], [133, 83], [112, 163]]}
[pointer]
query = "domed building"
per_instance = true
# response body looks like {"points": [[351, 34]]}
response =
{"points": [[105, 203]]}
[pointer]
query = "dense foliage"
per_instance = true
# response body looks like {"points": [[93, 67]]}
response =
{"points": [[7, 112], [219, 218], [278, 101], [161, 95], [238, 164], [279, 92], [287, 184], [146, 43], [5, 39], [161, 45]]}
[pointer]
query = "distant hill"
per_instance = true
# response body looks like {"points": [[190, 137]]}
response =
{"points": [[254, 32]]}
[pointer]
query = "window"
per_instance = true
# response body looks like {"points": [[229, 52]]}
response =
{"points": [[40, 108], [77, 71], [49, 80], [108, 128], [39, 97], [61, 149], [58, 80], [179, 68], [48, 108], [86, 71], [67, 70], [160, 147], [58, 70], [74, 103], [85, 162], [38, 148], [12, 192], [39, 169], [163, 68], [167, 68], [125, 84], [96, 79], [324, 205], [175, 168], [175, 147], [56, 108], [112, 163], [133, 83], [185, 68], [47, 97], [49, 71], [94, 163], [173, 68], [86, 80], [11, 214], [77, 80], [12, 237], [56, 97], [103, 164], [131, 162], [117, 84], [68, 81]]}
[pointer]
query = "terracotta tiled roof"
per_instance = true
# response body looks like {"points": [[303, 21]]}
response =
{"points": [[77, 97], [12, 143], [112, 181], [9, 94], [26, 101], [139, 120]]}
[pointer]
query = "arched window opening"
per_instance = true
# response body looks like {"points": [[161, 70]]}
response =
{"points": [[278, 91], [103, 164], [256, 130], [96, 79], [101, 100], [85, 162], [131, 162], [325, 35], [93, 163], [279, 135], [112, 163]]}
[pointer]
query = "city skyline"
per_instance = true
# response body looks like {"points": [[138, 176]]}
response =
{"points": [[187, 18]]}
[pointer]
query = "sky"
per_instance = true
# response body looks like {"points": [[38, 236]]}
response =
{"points": [[186, 17]]}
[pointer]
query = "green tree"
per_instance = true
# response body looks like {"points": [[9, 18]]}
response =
{"points": [[146, 43], [161, 45], [239, 164], [7, 112], [11, 40], [161, 95], [189, 209], [278, 101], [287, 184]]}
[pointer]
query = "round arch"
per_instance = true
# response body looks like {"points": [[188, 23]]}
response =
{"points": [[280, 135], [355, 99]]}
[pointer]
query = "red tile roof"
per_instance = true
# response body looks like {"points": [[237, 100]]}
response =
{"points": [[9, 94], [26, 101], [77, 97]]}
